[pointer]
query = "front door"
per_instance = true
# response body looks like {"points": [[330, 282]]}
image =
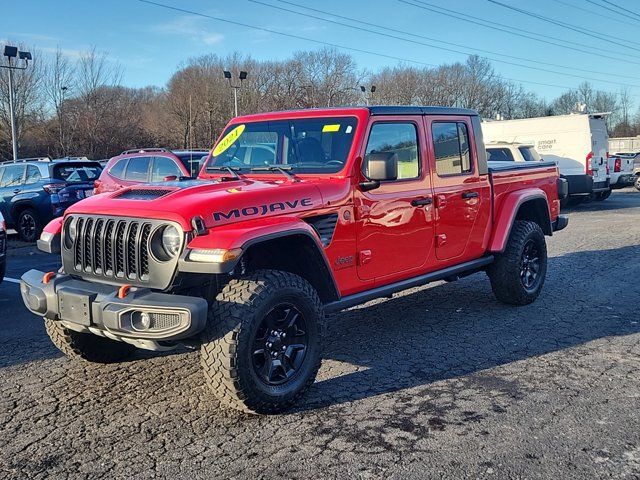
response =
{"points": [[459, 191], [394, 221], [10, 186]]}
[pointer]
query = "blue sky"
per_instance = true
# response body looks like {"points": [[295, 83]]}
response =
{"points": [[150, 42]]}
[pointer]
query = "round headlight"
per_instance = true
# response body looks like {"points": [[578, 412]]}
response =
{"points": [[171, 240], [70, 232]]}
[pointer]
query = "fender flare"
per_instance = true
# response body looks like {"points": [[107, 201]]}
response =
{"points": [[507, 215], [248, 236]]}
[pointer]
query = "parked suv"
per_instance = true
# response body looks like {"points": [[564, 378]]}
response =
{"points": [[3, 247], [35, 191], [146, 165]]}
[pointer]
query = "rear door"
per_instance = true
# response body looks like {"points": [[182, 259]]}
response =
{"points": [[460, 192], [395, 220], [599, 147]]}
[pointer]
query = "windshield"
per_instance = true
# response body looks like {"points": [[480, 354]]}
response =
{"points": [[77, 172], [530, 154], [310, 145]]}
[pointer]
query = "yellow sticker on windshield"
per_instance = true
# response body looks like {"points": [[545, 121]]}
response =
{"points": [[228, 140], [331, 128]]}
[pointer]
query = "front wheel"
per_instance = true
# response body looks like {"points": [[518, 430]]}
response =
{"points": [[518, 274], [87, 346], [261, 349], [637, 183]]}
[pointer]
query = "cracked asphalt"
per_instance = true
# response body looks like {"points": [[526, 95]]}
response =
{"points": [[438, 382]]}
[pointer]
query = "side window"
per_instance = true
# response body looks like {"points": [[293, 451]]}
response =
{"points": [[33, 174], [398, 138], [451, 148], [13, 175], [118, 169], [500, 155], [164, 167], [138, 169]]}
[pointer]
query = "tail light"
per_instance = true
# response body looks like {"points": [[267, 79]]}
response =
{"points": [[589, 170], [617, 165], [53, 187]]}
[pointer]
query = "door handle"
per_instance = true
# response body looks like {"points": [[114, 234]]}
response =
{"points": [[469, 195], [17, 190], [421, 202]]}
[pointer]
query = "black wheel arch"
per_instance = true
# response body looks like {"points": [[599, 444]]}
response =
{"points": [[20, 206], [536, 210], [294, 251]]}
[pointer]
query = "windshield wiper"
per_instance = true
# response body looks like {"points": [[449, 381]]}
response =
{"points": [[224, 168], [283, 169]]}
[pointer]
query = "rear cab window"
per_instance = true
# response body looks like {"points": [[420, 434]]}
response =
{"points": [[451, 148], [500, 155], [76, 172], [530, 154]]}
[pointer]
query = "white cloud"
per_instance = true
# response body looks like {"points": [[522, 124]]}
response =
{"points": [[189, 27]]}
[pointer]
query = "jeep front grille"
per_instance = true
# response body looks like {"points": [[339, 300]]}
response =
{"points": [[112, 248], [116, 250]]}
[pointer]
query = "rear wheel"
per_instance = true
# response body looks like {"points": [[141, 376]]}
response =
{"points": [[28, 225], [262, 346], [637, 183], [86, 346], [600, 196], [518, 274]]}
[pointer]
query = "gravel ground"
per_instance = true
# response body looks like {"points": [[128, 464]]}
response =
{"points": [[439, 382]]}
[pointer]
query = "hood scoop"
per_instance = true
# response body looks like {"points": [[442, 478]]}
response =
{"points": [[144, 193]]}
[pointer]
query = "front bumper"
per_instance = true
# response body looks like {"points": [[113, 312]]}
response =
{"points": [[142, 317]]}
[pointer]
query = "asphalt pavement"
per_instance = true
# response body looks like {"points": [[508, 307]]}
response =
{"points": [[438, 382]]}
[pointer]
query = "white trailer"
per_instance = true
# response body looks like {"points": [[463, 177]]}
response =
{"points": [[578, 143]]}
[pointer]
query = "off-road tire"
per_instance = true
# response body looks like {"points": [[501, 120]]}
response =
{"points": [[505, 272], [234, 319], [33, 233], [87, 346]]}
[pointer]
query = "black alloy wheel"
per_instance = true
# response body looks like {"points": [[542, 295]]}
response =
{"points": [[280, 345], [28, 226], [530, 265]]}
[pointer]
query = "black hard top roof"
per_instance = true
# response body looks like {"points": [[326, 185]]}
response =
{"points": [[417, 110]]}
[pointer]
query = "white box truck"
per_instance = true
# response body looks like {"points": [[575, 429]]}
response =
{"points": [[578, 143]]}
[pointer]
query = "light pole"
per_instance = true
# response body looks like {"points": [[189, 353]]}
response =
{"points": [[363, 89], [12, 52], [236, 87], [63, 93]]}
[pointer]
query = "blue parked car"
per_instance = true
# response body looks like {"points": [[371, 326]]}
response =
{"points": [[33, 192]]}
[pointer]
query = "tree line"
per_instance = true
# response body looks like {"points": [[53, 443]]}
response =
{"points": [[79, 107]]}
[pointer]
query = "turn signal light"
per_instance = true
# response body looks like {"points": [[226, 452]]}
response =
{"points": [[588, 169], [215, 255], [617, 165]]}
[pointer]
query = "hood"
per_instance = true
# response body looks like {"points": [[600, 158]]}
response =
{"points": [[218, 203]]}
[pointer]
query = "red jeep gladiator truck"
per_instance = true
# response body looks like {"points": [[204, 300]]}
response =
{"points": [[294, 215]]}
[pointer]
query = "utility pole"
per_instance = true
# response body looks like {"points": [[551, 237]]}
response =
{"points": [[236, 87], [12, 52]]}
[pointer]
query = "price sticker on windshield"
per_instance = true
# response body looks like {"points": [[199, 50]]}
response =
{"points": [[228, 140]]}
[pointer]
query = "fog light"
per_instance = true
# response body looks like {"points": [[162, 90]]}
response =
{"points": [[145, 320]]}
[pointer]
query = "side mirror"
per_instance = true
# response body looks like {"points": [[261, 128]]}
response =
{"points": [[170, 178], [379, 167]]}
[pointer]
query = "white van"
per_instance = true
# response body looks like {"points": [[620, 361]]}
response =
{"points": [[578, 143]]}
